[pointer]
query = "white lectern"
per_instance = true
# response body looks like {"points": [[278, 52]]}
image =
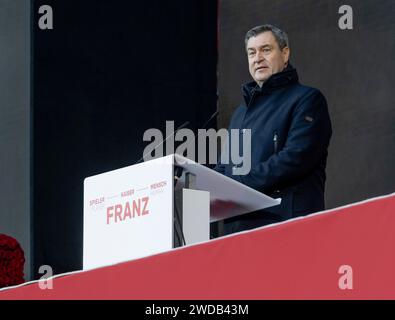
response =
{"points": [[142, 209]]}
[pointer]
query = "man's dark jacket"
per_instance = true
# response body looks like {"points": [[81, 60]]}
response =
{"points": [[290, 133]]}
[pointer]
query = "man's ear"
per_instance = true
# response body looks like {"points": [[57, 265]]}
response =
{"points": [[286, 53]]}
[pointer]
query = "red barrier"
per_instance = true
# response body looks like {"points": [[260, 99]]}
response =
{"points": [[346, 253]]}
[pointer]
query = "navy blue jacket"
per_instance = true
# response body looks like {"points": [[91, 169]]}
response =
{"points": [[290, 134]]}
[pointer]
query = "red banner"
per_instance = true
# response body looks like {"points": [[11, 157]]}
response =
{"points": [[346, 253]]}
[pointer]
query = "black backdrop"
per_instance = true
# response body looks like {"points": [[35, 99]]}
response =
{"points": [[108, 71]]}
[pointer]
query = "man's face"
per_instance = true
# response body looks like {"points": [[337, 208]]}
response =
{"points": [[265, 57]]}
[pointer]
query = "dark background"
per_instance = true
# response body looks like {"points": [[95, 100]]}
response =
{"points": [[108, 71], [354, 69]]}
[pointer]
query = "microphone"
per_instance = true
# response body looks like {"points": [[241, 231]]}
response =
{"points": [[179, 128], [178, 172], [178, 231], [171, 134], [212, 116]]}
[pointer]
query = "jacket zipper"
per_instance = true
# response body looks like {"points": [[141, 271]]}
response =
{"points": [[248, 106], [249, 103], [275, 142], [252, 98]]}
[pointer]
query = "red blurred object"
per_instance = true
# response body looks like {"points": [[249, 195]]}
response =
{"points": [[12, 260]]}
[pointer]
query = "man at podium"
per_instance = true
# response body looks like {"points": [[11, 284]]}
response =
{"points": [[290, 133]]}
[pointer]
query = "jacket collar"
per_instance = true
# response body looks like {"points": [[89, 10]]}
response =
{"points": [[278, 80]]}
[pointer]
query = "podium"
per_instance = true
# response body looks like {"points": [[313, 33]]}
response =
{"points": [[155, 206]]}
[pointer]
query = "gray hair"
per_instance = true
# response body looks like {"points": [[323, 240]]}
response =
{"points": [[280, 36]]}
